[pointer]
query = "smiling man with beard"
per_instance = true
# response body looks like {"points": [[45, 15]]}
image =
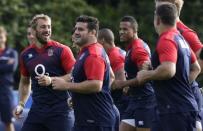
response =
{"points": [[93, 106], [39, 62]]}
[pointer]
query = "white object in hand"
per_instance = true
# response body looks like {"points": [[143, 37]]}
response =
{"points": [[19, 109]]}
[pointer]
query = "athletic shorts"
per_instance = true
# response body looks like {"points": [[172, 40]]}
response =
{"points": [[176, 122], [93, 128], [37, 121], [6, 107]]}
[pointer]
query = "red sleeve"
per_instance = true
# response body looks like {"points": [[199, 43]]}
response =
{"points": [[193, 40], [94, 68], [193, 57], [167, 51], [23, 69], [117, 61], [67, 59], [140, 55]]}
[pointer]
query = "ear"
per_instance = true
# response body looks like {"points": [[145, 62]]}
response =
{"points": [[93, 32], [158, 22]]}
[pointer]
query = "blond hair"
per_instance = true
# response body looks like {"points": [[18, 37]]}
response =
{"points": [[33, 22], [178, 3]]}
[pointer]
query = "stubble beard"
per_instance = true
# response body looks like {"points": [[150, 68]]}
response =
{"points": [[41, 40]]}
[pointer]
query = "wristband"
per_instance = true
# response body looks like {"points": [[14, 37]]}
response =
{"points": [[50, 81], [21, 104]]}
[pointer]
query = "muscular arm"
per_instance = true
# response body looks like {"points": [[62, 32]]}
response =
{"points": [[199, 55], [24, 88], [163, 72], [47, 80], [120, 74], [121, 83], [112, 76], [194, 71], [85, 87]]}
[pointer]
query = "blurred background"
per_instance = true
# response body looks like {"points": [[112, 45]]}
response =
{"points": [[16, 14]]}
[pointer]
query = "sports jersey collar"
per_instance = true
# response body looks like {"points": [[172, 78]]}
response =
{"points": [[179, 24], [110, 50], [86, 46], [131, 44], [49, 43], [169, 30]]}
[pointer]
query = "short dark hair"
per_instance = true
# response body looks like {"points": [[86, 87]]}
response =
{"points": [[107, 35], [178, 3], [168, 13], [132, 21], [92, 22]]}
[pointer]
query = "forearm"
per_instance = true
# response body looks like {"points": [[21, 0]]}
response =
{"points": [[200, 61], [24, 92], [199, 55], [86, 87], [194, 71], [193, 75], [163, 72], [125, 83], [112, 77]]}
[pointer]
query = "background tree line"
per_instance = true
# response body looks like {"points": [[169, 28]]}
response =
{"points": [[16, 14]]}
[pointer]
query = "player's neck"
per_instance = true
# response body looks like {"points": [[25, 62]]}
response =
{"points": [[165, 29], [135, 37], [90, 40], [108, 47], [178, 19], [39, 44]]}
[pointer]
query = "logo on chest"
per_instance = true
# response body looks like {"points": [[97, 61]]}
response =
{"points": [[30, 55], [50, 52]]}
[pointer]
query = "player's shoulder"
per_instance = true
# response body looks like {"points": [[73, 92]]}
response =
{"points": [[57, 44], [96, 49], [26, 49], [169, 35], [183, 28], [140, 44]]}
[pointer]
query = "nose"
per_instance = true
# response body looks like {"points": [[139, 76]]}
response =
{"points": [[121, 31], [76, 31]]}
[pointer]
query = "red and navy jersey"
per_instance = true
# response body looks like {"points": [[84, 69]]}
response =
{"points": [[190, 36], [138, 52], [116, 57], [95, 109], [54, 59], [117, 60], [175, 94], [8, 65]]}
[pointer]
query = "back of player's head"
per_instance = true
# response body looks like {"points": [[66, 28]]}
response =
{"points": [[92, 22], [131, 20], [34, 20], [3, 30], [106, 35], [178, 3], [167, 12]]}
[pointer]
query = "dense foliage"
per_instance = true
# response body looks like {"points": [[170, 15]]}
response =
{"points": [[15, 16]]}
